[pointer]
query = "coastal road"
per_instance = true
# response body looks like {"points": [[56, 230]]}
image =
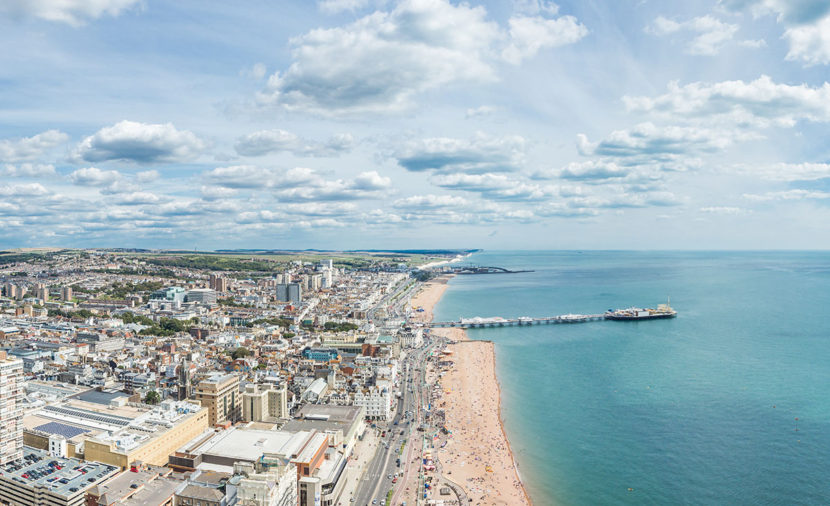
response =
{"points": [[375, 483]]}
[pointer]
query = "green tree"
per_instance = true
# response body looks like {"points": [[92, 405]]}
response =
{"points": [[152, 397], [240, 352]]}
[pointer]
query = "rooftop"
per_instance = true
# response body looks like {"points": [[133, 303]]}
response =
{"points": [[57, 474], [248, 445]]}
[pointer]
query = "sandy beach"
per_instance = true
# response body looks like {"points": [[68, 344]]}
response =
{"points": [[477, 455]]}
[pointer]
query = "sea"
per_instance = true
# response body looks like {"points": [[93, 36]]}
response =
{"points": [[727, 404]]}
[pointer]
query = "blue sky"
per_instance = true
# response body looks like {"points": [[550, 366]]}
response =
{"points": [[421, 123]]}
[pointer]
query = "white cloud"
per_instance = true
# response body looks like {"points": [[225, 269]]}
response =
{"points": [[138, 198], [528, 35], [24, 190], [72, 12], [761, 101], [480, 111], [477, 155], [140, 142], [147, 176], [650, 140], [727, 210], [420, 202], [753, 44], [810, 43], [806, 171], [30, 148], [337, 6], [807, 25], [27, 170], [367, 185], [93, 176], [535, 7], [274, 141], [593, 170], [493, 186], [709, 33], [217, 192], [381, 61], [788, 195]]}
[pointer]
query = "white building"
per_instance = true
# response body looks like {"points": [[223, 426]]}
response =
{"points": [[376, 400], [275, 486], [11, 411]]}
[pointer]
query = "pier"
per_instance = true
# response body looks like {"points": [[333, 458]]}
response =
{"points": [[468, 323], [476, 269]]}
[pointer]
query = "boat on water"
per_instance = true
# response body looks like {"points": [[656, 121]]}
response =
{"points": [[637, 313]]}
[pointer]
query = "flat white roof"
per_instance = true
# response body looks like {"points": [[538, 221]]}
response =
{"points": [[250, 444]]}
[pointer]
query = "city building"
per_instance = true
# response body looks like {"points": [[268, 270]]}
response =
{"points": [[205, 296], [184, 388], [112, 431], [271, 482], [42, 292], [11, 410], [66, 293], [38, 478], [142, 486], [321, 354], [174, 294], [289, 292], [376, 400], [264, 403], [220, 394], [218, 283]]}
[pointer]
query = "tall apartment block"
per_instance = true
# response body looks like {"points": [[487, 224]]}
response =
{"points": [[42, 292], [66, 293], [264, 403], [220, 394], [11, 412], [289, 292], [218, 283]]}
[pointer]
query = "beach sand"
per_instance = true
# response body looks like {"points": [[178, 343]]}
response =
{"points": [[477, 455]]}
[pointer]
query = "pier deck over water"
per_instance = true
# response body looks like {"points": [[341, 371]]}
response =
{"points": [[466, 323]]}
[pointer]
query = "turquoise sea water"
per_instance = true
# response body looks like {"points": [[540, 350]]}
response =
{"points": [[699, 409]]}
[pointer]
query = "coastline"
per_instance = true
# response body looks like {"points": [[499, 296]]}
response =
{"points": [[487, 472]]}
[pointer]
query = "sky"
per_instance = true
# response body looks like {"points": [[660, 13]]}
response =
{"points": [[349, 124]]}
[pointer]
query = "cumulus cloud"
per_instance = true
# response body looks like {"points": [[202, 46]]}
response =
{"points": [[761, 102], [140, 142], [93, 176], [381, 61], [209, 192], [337, 6], [27, 170], [72, 12], [430, 201], [493, 186], [30, 148], [299, 184], [478, 155], [727, 210], [709, 33], [367, 185], [648, 139], [480, 111], [23, 190], [592, 170], [273, 141], [147, 176], [138, 198], [810, 43], [528, 35], [807, 25], [788, 195]]}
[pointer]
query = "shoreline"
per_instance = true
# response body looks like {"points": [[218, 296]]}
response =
{"points": [[489, 474]]}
